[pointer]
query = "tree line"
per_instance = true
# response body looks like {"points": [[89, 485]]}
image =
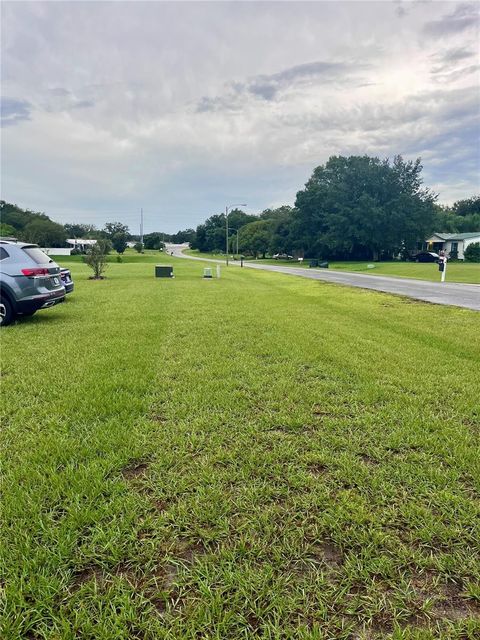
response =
{"points": [[351, 208], [38, 228]]}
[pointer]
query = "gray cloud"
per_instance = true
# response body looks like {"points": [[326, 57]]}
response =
{"points": [[463, 17], [60, 91], [268, 87], [14, 111], [455, 54], [82, 104], [455, 75], [447, 60]]}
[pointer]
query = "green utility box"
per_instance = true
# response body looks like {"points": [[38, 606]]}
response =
{"points": [[313, 263], [163, 271]]}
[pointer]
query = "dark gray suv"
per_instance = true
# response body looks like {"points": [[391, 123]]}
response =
{"points": [[29, 280]]}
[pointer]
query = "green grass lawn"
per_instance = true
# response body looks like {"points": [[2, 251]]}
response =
{"points": [[257, 456], [456, 271]]}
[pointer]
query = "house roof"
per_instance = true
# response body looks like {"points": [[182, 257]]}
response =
{"points": [[457, 236], [76, 241]]}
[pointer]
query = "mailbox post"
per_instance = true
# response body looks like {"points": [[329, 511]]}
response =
{"points": [[442, 265]]}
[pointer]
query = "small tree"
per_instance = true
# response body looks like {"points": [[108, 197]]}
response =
{"points": [[472, 252], [138, 246], [96, 259], [119, 242]]}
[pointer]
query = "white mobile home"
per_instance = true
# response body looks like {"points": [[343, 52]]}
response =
{"points": [[451, 242]]}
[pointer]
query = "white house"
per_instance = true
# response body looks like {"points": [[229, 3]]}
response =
{"points": [[81, 243], [451, 242]]}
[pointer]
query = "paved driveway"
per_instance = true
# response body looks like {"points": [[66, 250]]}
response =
{"points": [[448, 293]]}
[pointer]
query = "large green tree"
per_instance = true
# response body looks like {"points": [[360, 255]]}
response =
{"points": [[153, 240], [210, 236], [362, 207], [112, 228], [45, 233], [118, 234], [254, 238], [462, 217], [77, 230]]}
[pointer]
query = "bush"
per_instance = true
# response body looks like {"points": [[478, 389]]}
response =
{"points": [[138, 246], [472, 252], [96, 259], [105, 245], [453, 255]]}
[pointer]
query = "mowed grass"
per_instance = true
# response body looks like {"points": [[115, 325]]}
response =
{"points": [[456, 271], [257, 456], [467, 272]]}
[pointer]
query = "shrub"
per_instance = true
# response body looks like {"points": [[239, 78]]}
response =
{"points": [[138, 246], [472, 252], [105, 244], [96, 259], [453, 255]]}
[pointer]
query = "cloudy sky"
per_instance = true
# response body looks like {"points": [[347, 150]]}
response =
{"points": [[182, 108]]}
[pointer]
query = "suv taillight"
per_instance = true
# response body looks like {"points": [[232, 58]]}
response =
{"points": [[35, 272]]}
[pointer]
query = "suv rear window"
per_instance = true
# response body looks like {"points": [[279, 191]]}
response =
{"points": [[37, 255], [3, 253]]}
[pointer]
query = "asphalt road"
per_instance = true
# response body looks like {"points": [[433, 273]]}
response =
{"points": [[447, 293]]}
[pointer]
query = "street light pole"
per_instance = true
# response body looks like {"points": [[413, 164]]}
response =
{"points": [[230, 206], [237, 231]]}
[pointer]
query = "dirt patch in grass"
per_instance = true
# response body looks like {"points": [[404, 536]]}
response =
{"points": [[165, 575], [447, 601], [319, 412], [165, 590], [92, 573], [161, 505], [317, 468], [325, 553], [190, 551], [158, 417], [331, 554], [453, 606], [134, 470]]}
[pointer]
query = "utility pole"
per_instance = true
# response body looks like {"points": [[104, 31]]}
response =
{"points": [[226, 232], [141, 226], [226, 225]]}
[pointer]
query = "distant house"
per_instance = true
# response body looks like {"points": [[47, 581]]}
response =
{"points": [[451, 242], [81, 243]]}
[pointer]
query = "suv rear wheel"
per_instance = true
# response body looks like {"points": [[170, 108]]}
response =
{"points": [[7, 316]]}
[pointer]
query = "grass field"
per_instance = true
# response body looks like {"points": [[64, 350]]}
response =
{"points": [[257, 456], [456, 271]]}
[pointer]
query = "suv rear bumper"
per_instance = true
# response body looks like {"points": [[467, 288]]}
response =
{"points": [[40, 302]]}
